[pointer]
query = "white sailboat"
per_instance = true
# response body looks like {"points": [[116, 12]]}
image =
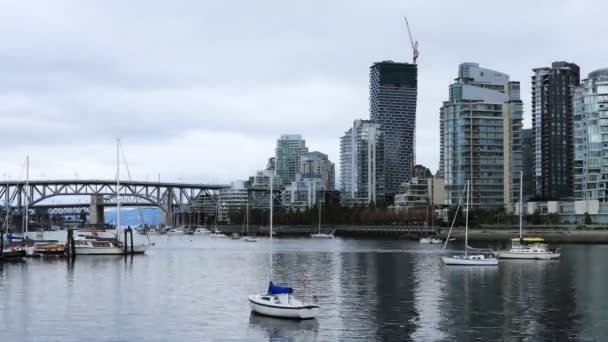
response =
{"points": [[86, 246], [468, 258], [320, 235], [248, 238], [279, 301], [527, 247]]}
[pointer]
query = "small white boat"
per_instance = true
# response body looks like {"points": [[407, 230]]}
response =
{"points": [[468, 258], [218, 234], [473, 259], [250, 239], [201, 231], [279, 302], [96, 247], [323, 236], [175, 231], [320, 235], [235, 236], [48, 249], [430, 240], [536, 250], [530, 248]]}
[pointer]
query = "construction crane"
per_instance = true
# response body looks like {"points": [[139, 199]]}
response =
{"points": [[414, 43]]}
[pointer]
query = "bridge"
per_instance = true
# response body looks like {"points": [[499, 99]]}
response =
{"points": [[167, 196]]}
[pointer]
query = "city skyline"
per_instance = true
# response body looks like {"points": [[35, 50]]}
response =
{"points": [[173, 103]]}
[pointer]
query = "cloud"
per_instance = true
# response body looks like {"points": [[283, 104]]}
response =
{"points": [[202, 90]]}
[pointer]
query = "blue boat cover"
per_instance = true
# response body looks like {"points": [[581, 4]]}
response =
{"points": [[13, 237], [276, 289]]}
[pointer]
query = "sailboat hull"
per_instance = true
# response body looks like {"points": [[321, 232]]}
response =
{"points": [[469, 261], [264, 307]]}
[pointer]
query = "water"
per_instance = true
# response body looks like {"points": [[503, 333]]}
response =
{"points": [[195, 288]]}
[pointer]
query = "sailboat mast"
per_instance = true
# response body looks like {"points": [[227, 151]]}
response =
{"points": [[319, 217], [247, 214], [27, 193], [466, 225], [521, 203], [270, 230], [118, 189]]}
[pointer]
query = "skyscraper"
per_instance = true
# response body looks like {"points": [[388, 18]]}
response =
{"points": [[318, 164], [590, 102], [392, 95], [481, 137], [552, 91], [527, 139], [290, 148], [362, 164]]}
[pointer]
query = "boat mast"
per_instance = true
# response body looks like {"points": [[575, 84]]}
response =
{"points": [[521, 199], [319, 217], [247, 213], [118, 189], [270, 230], [466, 225], [27, 192]]}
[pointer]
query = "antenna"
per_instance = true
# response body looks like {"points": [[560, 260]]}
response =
{"points": [[415, 52]]}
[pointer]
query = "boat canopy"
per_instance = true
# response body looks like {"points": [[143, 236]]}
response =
{"points": [[277, 289], [530, 239]]}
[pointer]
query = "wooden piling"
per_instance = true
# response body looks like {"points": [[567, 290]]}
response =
{"points": [[125, 241], [131, 236]]}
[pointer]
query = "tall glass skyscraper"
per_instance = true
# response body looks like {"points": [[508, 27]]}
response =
{"points": [[290, 148], [481, 137], [552, 91], [393, 91], [362, 164], [591, 137]]}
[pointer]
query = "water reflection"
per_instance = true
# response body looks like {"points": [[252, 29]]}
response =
{"points": [[284, 329]]}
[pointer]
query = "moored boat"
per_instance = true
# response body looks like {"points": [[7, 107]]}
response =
{"points": [[279, 302]]}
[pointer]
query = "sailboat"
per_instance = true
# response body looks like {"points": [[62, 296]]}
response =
{"points": [[248, 238], [472, 258], [320, 235], [279, 301], [85, 246], [527, 247]]}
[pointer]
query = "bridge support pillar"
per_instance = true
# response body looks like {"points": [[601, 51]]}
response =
{"points": [[166, 209], [97, 214]]}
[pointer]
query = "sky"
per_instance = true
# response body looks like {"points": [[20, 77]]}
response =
{"points": [[199, 91]]}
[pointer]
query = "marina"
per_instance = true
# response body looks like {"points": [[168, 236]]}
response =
{"points": [[368, 289]]}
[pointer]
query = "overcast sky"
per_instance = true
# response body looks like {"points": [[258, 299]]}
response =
{"points": [[200, 90]]}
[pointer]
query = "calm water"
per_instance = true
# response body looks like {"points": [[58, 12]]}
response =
{"points": [[194, 288]]}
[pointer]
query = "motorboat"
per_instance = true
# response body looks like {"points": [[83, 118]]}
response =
{"points": [[175, 231], [430, 240], [469, 258], [201, 231], [53, 248], [216, 233], [323, 235], [280, 302], [102, 247], [250, 238], [531, 248]]}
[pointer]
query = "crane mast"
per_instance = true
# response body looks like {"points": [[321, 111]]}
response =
{"points": [[414, 43]]}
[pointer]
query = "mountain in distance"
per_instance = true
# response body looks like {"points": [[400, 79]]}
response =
{"points": [[132, 216]]}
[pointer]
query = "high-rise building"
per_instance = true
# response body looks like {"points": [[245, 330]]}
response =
{"points": [[290, 148], [393, 91], [362, 164], [527, 139], [552, 91], [313, 164], [481, 143], [591, 138]]}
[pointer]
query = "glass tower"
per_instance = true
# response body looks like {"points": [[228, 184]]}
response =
{"points": [[552, 90], [480, 141], [392, 95], [362, 164], [290, 148], [591, 137]]}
